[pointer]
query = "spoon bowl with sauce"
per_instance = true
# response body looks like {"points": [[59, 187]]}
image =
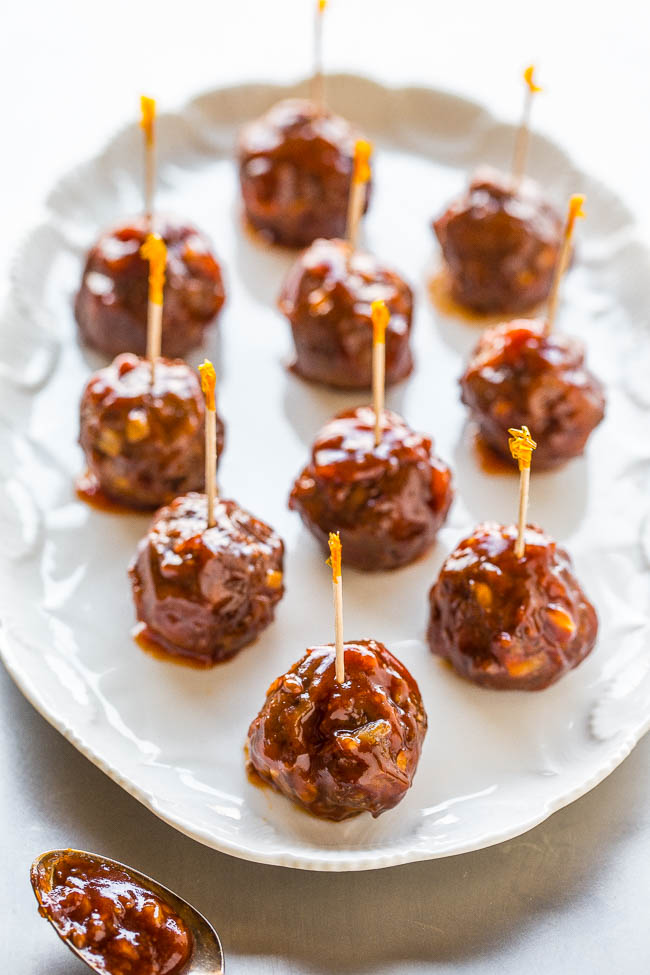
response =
{"points": [[121, 922]]}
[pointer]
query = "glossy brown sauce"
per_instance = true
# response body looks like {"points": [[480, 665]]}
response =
{"points": [[88, 490], [145, 639], [295, 166], [340, 749], [111, 305], [387, 500], [112, 920], [439, 288], [520, 375], [262, 238], [327, 298], [252, 776], [489, 461], [256, 780], [500, 244], [144, 441], [345, 448], [507, 621], [203, 593]]}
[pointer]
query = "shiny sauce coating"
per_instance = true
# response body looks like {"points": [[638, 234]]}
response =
{"points": [[144, 442], [518, 374], [327, 298], [111, 305], [201, 592], [114, 921], [295, 170], [338, 750], [387, 500], [506, 622], [500, 244]]}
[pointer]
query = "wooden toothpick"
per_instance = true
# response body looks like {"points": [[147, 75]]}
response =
{"points": [[147, 124], [154, 251], [358, 183], [523, 133], [208, 385], [318, 78], [380, 319], [521, 447], [335, 562], [573, 212]]}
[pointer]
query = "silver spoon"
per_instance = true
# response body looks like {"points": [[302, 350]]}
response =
{"points": [[207, 955]]}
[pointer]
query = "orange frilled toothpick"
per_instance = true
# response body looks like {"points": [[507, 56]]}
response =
{"points": [[521, 447], [147, 124], [380, 319], [318, 78], [335, 562], [573, 212], [523, 133], [154, 251], [358, 183], [208, 385]]}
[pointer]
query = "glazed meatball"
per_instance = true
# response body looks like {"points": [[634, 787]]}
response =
{"points": [[510, 623], [327, 298], [204, 593], [500, 245], [111, 306], [518, 375], [387, 502], [295, 170], [145, 444], [335, 749]]}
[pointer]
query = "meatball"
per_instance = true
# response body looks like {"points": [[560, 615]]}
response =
{"points": [[335, 749], [327, 298], [500, 245], [145, 444], [509, 623], [387, 501], [295, 170], [204, 593], [519, 374], [111, 305]]}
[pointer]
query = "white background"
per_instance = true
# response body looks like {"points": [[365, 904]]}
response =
{"points": [[572, 895]]}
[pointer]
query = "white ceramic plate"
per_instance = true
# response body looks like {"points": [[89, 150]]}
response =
{"points": [[494, 764]]}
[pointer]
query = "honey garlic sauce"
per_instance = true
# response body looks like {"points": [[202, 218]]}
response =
{"points": [[346, 448], [114, 922]]}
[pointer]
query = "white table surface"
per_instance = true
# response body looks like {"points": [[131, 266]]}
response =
{"points": [[572, 895]]}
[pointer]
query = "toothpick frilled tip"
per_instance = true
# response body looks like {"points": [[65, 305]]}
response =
{"points": [[208, 383], [335, 555], [575, 207], [147, 116], [322, 4], [530, 81], [362, 154], [521, 446], [380, 318], [154, 250]]}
